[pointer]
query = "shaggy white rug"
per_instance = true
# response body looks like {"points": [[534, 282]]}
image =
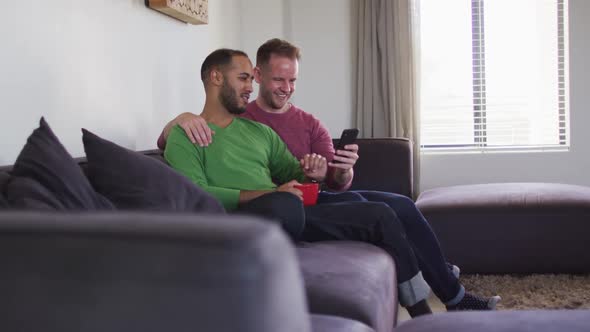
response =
{"points": [[548, 291]]}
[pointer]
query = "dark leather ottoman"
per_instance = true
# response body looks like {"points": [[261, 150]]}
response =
{"points": [[352, 280], [512, 227], [501, 321]]}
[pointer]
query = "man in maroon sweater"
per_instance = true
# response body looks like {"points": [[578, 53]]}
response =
{"points": [[277, 65]]}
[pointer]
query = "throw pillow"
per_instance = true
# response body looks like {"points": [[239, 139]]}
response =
{"points": [[132, 180], [4, 178], [45, 160], [26, 193]]}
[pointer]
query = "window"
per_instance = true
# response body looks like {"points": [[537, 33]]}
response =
{"points": [[493, 74]]}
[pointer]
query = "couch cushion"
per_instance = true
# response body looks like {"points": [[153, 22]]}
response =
{"points": [[350, 279], [45, 160], [325, 323], [132, 180], [501, 321], [384, 164]]}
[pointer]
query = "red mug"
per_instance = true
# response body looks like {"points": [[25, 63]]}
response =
{"points": [[310, 192]]}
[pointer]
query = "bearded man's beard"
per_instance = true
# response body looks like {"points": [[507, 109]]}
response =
{"points": [[229, 99]]}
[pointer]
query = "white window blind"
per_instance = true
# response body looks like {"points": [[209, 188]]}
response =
{"points": [[493, 74]]}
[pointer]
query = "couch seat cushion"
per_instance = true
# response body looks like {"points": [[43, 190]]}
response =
{"points": [[352, 280]]}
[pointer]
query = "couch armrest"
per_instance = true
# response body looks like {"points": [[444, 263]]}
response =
{"points": [[147, 272], [385, 164]]}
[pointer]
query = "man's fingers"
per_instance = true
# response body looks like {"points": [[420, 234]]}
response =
{"points": [[343, 162], [204, 137], [306, 162], [189, 133], [346, 153], [297, 193], [352, 147], [198, 138], [206, 131], [319, 162], [316, 161]]}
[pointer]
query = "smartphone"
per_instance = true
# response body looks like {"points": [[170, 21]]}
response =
{"points": [[348, 137]]}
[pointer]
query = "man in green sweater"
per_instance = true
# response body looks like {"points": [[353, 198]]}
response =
{"points": [[241, 168]]}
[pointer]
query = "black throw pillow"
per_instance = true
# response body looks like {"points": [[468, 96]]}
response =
{"points": [[45, 160], [4, 178], [26, 193], [132, 180]]}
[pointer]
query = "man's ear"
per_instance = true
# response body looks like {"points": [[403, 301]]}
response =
{"points": [[216, 77], [257, 74]]}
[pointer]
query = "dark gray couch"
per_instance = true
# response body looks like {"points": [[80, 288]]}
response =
{"points": [[135, 271]]}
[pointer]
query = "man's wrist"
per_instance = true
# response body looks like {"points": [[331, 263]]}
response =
{"points": [[342, 176], [309, 179]]}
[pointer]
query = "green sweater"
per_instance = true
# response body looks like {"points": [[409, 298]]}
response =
{"points": [[246, 155]]}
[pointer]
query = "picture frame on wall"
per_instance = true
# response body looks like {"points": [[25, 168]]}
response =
{"points": [[190, 11]]}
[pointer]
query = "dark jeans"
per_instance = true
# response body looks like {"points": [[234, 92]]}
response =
{"points": [[281, 207], [420, 236]]}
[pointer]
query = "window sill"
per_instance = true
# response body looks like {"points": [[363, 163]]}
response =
{"points": [[494, 150]]}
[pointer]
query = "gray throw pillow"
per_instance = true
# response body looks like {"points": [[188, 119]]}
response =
{"points": [[46, 162], [132, 180]]}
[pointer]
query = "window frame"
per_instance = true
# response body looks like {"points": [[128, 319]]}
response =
{"points": [[479, 92]]}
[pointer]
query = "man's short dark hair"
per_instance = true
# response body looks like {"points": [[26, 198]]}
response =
{"points": [[218, 59], [278, 47]]}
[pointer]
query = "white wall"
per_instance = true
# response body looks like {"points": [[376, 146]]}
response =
{"points": [[322, 29], [114, 67]]}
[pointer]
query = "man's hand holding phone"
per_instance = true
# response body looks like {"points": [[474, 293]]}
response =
{"points": [[346, 153]]}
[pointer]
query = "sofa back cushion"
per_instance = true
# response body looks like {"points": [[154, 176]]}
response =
{"points": [[384, 164], [48, 165], [132, 180]]}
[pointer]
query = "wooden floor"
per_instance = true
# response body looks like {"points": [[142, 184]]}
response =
{"points": [[434, 303]]}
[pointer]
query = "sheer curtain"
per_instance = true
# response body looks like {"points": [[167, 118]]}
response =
{"points": [[386, 69]]}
